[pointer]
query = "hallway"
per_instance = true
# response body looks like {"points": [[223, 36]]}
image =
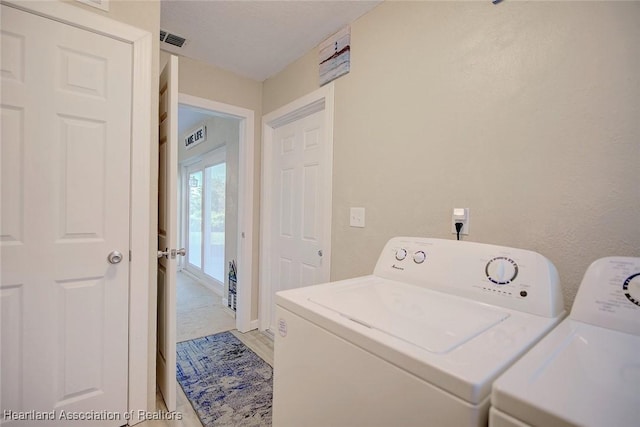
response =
{"points": [[200, 313], [199, 310]]}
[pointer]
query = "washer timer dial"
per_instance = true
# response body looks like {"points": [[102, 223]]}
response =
{"points": [[501, 270], [631, 288], [401, 254]]}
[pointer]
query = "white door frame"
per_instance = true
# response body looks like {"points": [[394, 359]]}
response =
{"points": [[141, 380], [245, 200], [318, 100]]}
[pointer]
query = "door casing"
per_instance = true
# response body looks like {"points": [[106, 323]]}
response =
{"points": [[142, 234], [319, 100]]}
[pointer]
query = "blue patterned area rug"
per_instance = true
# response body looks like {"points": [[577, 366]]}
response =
{"points": [[226, 383]]}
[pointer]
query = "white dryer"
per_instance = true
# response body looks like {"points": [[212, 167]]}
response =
{"points": [[417, 343], [586, 372]]}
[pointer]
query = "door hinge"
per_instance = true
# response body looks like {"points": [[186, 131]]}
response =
{"points": [[129, 255]]}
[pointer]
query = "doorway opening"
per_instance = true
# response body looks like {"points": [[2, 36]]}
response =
{"points": [[214, 215], [208, 220], [228, 139]]}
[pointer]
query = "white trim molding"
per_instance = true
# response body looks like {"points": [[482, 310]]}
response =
{"points": [[318, 100], [245, 200], [141, 385], [98, 4]]}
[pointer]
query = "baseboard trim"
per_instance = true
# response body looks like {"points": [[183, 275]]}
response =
{"points": [[216, 288], [225, 305]]}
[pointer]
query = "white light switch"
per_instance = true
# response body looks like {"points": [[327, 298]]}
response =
{"points": [[356, 217]]}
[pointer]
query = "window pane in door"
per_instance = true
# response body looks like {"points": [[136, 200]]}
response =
{"points": [[216, 177], [195, 219]]}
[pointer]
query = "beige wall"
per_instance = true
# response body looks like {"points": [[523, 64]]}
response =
{"points": [[209, 82], [221, 131], [526, 112]]}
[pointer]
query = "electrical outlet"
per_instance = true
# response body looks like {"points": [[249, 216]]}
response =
{"points": [[460, 215]]}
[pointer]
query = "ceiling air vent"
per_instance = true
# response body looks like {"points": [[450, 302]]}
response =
{"points": [[172, 39]]}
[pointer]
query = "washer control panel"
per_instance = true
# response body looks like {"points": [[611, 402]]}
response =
{"points": [[509, 277], [609, 295]]}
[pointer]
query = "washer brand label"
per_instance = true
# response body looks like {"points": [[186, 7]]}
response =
{"points": [[282, 327], [396, 267]]}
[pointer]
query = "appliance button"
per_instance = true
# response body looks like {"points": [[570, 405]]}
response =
{"points": [[419, 257]]}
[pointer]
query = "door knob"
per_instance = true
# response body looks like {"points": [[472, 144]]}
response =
{"points": [[173, 252], [114, 257]]}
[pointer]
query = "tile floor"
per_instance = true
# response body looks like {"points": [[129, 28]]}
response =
{"points": [[200, 313]]}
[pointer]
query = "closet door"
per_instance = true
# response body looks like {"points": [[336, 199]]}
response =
{"points": [[66, 126]]}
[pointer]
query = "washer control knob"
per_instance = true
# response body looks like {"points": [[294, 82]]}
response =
{"points": [[419, 257], [501, 270], [401, 254]]}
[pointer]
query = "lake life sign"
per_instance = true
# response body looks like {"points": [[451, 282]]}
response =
{"points": [[196, 137]]}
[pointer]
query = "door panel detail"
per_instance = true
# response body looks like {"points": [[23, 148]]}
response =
{"points": [[83, 73], [11, 188], [310, 202], [11, 316], [12, 56], [286, 197], [81, 326], [83, 177]]}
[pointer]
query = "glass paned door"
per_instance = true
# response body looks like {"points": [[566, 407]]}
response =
{"points": [[215, 182], [195, 218], [206, 181]]}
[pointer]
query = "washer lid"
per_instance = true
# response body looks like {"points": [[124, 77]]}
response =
{"points": [[431, 320], [579, 374]]}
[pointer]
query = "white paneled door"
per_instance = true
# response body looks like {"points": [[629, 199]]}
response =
{"points": [[65, 157], [297, 197]]}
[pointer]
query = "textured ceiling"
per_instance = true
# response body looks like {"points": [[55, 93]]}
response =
{"points": [[255, 39]]}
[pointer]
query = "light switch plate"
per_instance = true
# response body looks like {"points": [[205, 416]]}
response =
{"points": [[356, 217]]}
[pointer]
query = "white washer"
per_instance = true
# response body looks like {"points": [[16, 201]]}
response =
{"points": [[586, 372], [418, 343]]}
